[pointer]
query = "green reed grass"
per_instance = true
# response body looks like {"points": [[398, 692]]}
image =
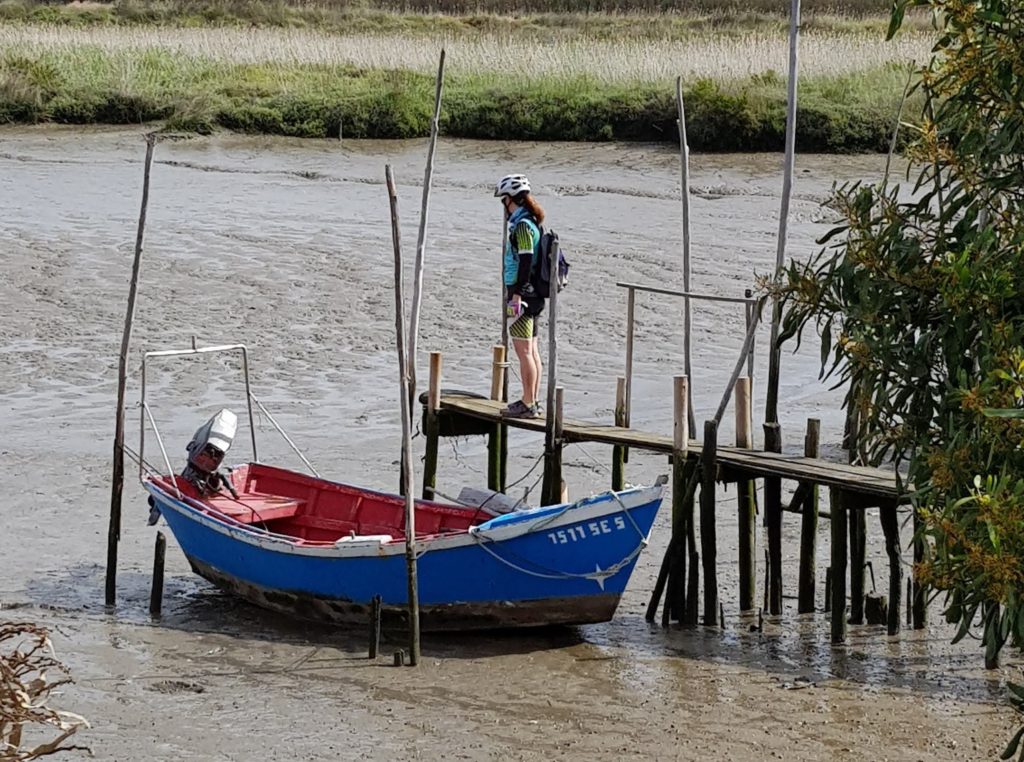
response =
{"points": [[87, 84]]}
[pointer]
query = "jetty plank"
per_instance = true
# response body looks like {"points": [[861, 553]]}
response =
{"points": [[858, 479]]}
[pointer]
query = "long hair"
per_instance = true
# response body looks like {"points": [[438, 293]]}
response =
{"points": [[531, 205]]}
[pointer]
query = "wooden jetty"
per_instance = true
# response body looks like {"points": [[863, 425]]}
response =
{"points": [[698, 465]]}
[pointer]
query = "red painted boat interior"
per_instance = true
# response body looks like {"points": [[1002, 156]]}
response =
{"points": [[314, 511]]}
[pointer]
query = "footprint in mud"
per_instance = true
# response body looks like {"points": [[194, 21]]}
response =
{"points": [[176, 686]]}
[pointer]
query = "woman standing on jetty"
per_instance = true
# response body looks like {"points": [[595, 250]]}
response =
{"points": [[523, 304]]}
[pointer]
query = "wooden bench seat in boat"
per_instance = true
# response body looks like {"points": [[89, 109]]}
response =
{"points": [[255, 508]]}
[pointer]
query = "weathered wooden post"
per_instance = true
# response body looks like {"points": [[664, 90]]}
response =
{"points": [[708, 531], [838, 568], [156, 595], [858, 556], [375, 606], [891, 531], [117, 479], [676, 600], [405, 403], [773, 520], [920, 606], [433, 428], [551, 490], [495, 440], [618, 451], [809, 525], [684, 160], [746, 492]]}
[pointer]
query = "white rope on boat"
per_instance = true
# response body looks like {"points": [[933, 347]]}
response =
{"points": [[598, 575]]}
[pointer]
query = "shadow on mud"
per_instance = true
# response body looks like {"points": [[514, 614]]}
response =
{"points": [[795, 651], [193, 605]]}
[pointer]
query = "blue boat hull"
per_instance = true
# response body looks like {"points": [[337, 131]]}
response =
{"points": [[556, 565]]}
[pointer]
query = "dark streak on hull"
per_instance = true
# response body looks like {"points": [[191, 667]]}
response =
{"points": [[438, 618]]}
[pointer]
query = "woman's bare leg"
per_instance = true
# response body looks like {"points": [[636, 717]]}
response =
{"points": [[527, 369]]}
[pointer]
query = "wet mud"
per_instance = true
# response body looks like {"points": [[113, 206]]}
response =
{"points": [[285, 246]]}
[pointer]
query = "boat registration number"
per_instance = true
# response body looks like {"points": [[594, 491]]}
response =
{"points": [[584, 531]]}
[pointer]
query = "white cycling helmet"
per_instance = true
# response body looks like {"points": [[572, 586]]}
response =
{"points": [[512, 185]]}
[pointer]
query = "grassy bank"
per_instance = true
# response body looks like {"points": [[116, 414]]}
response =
{"points": [[86, 85], [133, 61]]}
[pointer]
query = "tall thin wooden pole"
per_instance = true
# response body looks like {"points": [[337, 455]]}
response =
{"points": [[407, 475], [630, 314], [896, 126], [503, 428], [772, 403], [117, 479], [746, 492], [684, 155], [421, 240], [549, 427]]}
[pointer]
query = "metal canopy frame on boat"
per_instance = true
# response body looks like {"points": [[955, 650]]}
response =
{"points": [[145, 411]]}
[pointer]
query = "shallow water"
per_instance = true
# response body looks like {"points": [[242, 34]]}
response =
{"points": [[285, 246]]}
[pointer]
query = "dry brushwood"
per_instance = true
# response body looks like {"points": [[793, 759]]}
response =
{"points": [[26, 656]]}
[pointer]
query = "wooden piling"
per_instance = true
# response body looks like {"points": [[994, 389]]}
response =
{"points": [[838, 568], [891, 530], [828, 589], [405, 402], [375, 611], [920, 599], [117, 478], [156, 594], [708, 535], [746, 492], [677, 599], [809, 525], [858, 555], [684, 158], [421, 239], [551, 490], [618, 452], [495, 449], [432, 428], [773, 520]]}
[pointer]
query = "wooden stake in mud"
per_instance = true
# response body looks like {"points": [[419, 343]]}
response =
{"points": [[432, 427], [858, 556], [891, 530], [920, 606], [117, 479], [552, 489], [838, 568], [708, 539], [618, 459], [772, 403], [684, 155], [773, 520], [407, 462], [746, 492], [675, 602], [552, 486], [495, 450], [809, 525], [374, 627], [421, 240], [156, 595]]}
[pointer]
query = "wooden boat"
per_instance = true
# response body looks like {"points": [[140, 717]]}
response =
{"points": [[318, 549]]}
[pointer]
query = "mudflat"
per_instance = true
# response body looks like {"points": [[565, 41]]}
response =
{"points": [[285, 245]]}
